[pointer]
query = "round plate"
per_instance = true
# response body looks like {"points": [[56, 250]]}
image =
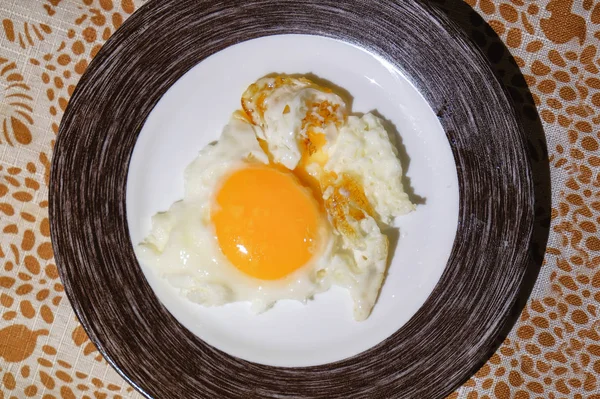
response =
{"points": [[430, 355], [193, 112]]}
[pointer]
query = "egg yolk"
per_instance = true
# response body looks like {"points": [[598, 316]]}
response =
{"points": [[266, 223]]}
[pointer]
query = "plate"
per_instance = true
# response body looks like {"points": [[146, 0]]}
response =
{"points": [[127, 127], [193, 112]]}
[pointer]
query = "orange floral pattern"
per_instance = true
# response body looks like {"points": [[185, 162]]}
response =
{"points": [[17, 116], [552, 352], [44, 352], [26, 34]]}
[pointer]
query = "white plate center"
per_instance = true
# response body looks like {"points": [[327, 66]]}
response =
{"points": [[192, 114]]}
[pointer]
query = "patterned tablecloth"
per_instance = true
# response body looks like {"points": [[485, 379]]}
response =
{"points": [[552, 352]]}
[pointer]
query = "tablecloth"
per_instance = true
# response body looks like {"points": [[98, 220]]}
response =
{"points": [[553, 351]]}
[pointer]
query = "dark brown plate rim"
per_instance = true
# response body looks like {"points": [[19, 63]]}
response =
{"points": [[443, 342]]}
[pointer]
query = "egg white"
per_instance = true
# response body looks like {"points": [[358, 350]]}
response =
{"points": [[183, 249], [284, 110], [182, 246], [363, 149]]}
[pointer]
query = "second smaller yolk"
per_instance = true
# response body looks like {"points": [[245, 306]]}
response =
{"points": [[266, 223]]}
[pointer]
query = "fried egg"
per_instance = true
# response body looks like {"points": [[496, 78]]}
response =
{"points": [[289, 201]]}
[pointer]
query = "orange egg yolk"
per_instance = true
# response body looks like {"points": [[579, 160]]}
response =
{"points": [[267, 224]]}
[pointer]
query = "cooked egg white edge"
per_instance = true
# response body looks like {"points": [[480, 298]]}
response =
{"points": [[283, 129], [363, 149]]}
